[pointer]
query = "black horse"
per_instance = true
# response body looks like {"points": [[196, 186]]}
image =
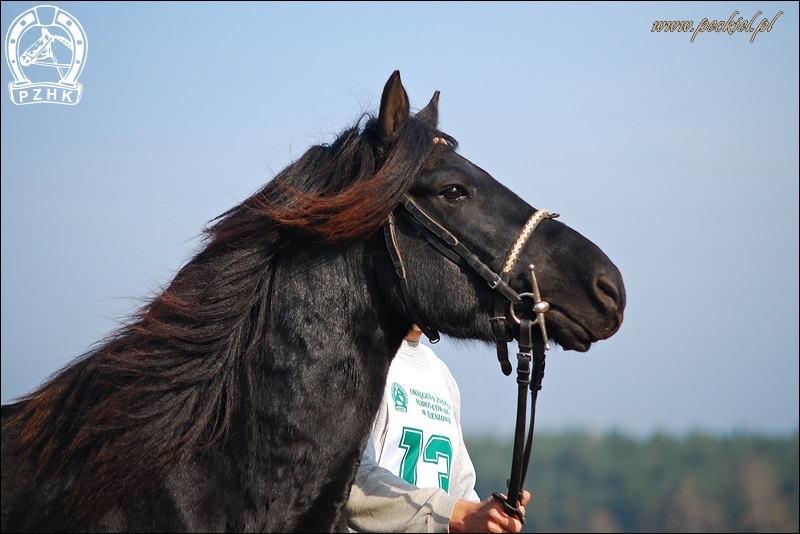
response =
{"points": [[240, 397]]}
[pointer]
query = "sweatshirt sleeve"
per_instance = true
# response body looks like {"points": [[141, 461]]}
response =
{"points": [[383, 502]]}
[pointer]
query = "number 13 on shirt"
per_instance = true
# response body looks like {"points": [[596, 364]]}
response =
{"points": [[436, 448]]}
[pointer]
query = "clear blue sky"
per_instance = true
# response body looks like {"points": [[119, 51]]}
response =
{"points": [[678, 158]]}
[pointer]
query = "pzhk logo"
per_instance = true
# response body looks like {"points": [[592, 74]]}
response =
{"points": [[46, 51]]}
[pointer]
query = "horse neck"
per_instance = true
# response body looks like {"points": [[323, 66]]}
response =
{"points": [[328, 318], [318, 379], [306, 316]]}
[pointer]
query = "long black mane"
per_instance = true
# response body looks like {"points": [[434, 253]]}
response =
{"points": [[174, 380]]}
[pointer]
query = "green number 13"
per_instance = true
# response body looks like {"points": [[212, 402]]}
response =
{"points": [[436, 447]]}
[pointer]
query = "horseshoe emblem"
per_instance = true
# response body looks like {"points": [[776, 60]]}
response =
{"points": [[46, 51]]}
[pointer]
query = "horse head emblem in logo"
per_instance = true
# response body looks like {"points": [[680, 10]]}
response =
{"points": [[46, 51]]}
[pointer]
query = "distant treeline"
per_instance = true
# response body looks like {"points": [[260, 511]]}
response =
{"points": [[583, 482]]}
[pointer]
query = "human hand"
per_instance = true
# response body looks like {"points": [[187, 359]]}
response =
{"points": [[485, 516]]}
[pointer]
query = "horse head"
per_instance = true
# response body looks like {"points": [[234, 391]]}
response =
{"points": [[472, 211]]}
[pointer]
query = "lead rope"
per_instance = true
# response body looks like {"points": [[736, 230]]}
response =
{"points": [[526, 355], [515, 482]]}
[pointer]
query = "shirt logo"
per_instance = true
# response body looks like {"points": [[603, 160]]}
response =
{"points": [[399, 397]]}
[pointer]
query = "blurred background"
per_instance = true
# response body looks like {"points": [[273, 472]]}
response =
{"points": [[674, 151]]}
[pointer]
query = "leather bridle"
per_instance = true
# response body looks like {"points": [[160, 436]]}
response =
{"points": [[505, 300]]}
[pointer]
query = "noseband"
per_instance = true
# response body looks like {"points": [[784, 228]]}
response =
{"points": [[505, 300]]}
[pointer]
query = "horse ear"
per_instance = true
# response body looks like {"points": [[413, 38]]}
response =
{"points": [[430, 113], [394, 106]]}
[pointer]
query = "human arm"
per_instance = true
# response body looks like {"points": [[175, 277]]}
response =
{"points": [[382, 502]]}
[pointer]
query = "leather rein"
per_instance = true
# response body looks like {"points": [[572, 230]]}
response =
{"points": [[505, 300]]}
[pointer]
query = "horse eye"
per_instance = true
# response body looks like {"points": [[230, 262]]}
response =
{"points": [[453, 193]]}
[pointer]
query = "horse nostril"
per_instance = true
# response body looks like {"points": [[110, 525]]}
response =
{"points": [[610, 295]]}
